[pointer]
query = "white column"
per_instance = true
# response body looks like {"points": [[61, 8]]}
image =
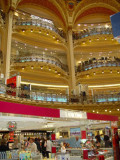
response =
{"points": [[8, 43], [71, 62]]}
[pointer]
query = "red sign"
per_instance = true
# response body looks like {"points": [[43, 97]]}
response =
{"points": [[12, 81]]}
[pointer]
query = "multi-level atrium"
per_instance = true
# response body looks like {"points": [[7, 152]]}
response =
{"points": [[65, 50], [59, 77]]}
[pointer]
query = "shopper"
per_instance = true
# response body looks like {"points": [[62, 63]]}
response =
{"points": [[37, 142], [43, 147], [32, 146], [3, 146], [16, 145], [48, 147], [77, 143], [98, 141], [27, 142], [63, 149]]}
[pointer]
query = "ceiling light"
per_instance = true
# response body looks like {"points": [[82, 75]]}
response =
{"points": [[55, 71], [47, 34], [106, 26], [89, 40], [41, 67], [118, 72], [118, 109], [101, 86], [23, 30], [110, 71], [23, 68], [85, 24], [57, 40], [93, 111], [105, 110], [44, 85], [49, 69], [79, 24], [16, 14], [112, 39], [54, 37], [97, 39], [39, 31], [31, 30], [105, 38], [94, 73], [32, 67], [58, 74], [97, 112], [102, 72], [46, 49], [110, 111], [92, 24], [83, 42], [36, 47]]}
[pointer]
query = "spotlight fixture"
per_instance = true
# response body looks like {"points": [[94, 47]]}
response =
{"points": [[46, 49], [32, 67], [110, 111], [49, 69], [89, 40], [39, 31], [79, 24], [94, 73], [41, 67], [118, 72], [93, 111], [55, 71], [31, 30], [118, 109], [23, 30], [102, 72], [105, 110], [110, 71], [47, 34], [23, 68], [58, 74]]}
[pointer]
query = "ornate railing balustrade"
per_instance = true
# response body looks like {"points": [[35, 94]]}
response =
{"points": [[90, 32], [87, 65], [40, 58], [40, 96]]}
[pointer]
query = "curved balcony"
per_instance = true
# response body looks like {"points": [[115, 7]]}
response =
{"points": [[38, 96], [39, 23], [91, 32], [91, 64], [40, 58]]}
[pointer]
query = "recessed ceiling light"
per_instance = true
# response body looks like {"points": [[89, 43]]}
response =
{"points": [[110, 111], [46, 49], [118, 109], [31, 30], [105, 110], [79, 24]]}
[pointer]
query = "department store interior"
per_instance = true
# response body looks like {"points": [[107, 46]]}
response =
{"points": [[59, 80]]}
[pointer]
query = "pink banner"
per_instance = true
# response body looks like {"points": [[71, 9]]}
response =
{"points": [[103, 117], [7, 107]]}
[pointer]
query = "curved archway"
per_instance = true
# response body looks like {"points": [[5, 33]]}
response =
{"points": [[46, 6]]}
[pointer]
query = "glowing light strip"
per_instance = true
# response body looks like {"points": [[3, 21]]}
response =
{"points": [[100, 86], [44, 85]]}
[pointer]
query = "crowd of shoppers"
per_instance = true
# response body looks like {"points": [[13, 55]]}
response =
{"points": [[43, 145]]}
